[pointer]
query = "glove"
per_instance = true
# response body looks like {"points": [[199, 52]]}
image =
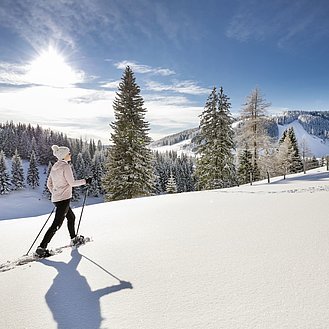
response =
{"points": [[88, 180]]}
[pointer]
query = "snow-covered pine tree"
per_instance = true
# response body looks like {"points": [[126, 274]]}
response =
{"points": [[92, 148], [129, 167], [80, 167], [245, 166], [4, 176], [215, 166], [87, 162], [34, 148], [97, 173], [297, 164], [252, 128], [75, 190], [46, 191], [171, 186], [17, 172], [33, 172]]}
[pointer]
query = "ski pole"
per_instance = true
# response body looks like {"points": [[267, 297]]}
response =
{"points": [[83, 206], [40, 231]]}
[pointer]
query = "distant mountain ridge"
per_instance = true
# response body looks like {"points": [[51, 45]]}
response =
{"points": [[311, 125]]}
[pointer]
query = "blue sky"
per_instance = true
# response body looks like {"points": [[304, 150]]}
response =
{"points": [[60, 61]]}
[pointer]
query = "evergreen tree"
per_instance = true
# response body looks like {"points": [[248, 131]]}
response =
{"points": [[215, 167], [92, 148], [129, 165], [171, 186], [4, 176], [252, 129], [80, 167], [17, 172], [245, 166], [33, 172], [46, 191], [88, 163], [76, 189], [297, 164], [97, 173]]}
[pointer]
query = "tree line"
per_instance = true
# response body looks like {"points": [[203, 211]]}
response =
{"points": [[225, 156]]}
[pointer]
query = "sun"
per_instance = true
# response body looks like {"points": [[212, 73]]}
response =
{"points": [[51, 69]]}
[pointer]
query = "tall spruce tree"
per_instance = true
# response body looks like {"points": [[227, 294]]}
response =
{"points": [[129, 167], [4, 176], [17, 172], [33, 172], [215, 166]]}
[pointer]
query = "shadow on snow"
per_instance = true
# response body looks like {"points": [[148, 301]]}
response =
{"points": [[72, 302]]}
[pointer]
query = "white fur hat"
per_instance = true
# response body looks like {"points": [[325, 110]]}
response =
{"points": [[60, 152]]}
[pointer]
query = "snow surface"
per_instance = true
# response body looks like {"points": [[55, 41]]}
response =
{"points": [[246, 257]]}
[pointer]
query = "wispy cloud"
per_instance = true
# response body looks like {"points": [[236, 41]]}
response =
{"points": [[140, 68], [92, 96], [167, 100], [183, 87], [263, 20], [69, 21], [13, 74], [110, 84], [61, 20]]}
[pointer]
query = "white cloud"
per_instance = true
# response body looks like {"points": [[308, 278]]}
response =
{"points": [[12, 74], [111, 84], [183, 87], [139, 68]]}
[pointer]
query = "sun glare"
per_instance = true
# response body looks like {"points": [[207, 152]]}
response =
{"points": [[50, 69]]}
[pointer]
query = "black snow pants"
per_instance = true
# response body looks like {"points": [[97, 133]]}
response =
{"points": [[62, 210]]}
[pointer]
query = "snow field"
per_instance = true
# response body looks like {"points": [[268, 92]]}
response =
{"points": [[247, 257]]}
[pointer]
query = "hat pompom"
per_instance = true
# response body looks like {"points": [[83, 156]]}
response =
{"points": [[55, 148]]}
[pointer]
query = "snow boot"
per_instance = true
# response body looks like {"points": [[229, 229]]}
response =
{"points": [[78, 240], [42, 252]]}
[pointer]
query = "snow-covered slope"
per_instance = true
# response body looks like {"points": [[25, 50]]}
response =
{"points": [[246, 257], [317, 146]]}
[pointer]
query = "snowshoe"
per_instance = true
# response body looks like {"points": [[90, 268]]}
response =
{"points": [[42, 252], [78, 241]]}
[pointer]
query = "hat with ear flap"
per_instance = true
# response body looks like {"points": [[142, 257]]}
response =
{"points": [[60, 152]]}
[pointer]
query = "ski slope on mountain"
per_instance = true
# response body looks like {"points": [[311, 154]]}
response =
{"points": [[246, 257], [315, 145]]}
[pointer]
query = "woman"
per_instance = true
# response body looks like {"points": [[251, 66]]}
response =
{"points": [[60, 183]]}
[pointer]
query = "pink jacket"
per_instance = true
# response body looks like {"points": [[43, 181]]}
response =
{"points": [[61, 181]]}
